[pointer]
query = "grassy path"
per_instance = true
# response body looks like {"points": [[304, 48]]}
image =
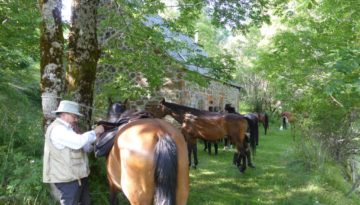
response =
{"points": [[277, 178]]}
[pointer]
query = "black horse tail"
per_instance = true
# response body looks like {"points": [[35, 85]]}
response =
{"points": [[266, 122], [254, 135], [165, 171]]}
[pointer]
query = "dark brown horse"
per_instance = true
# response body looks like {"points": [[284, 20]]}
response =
{"points": [[148, 163], [252, 139], [115, 109], [263, 119], [253, 128], [207, 125]]}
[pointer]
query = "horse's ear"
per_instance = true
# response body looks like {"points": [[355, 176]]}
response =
{"points": [[110, 100]]}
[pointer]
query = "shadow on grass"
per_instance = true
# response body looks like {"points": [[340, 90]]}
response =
{"points": [[218, 182]]}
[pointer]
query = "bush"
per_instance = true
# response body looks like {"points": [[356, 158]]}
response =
{"points": [[21, 149], [311, 152]]}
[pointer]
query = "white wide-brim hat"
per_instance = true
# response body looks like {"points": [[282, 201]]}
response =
{"points": [[68, 107]]}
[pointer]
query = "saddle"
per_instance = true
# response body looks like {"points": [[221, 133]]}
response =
{"points": [[106, 140]]}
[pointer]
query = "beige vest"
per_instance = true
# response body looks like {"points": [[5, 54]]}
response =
{"points": [[63, 165]]}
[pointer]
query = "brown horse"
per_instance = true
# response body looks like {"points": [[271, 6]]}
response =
{"points": [[286, 119], [207, 125], [264, 119], [149, 163]]}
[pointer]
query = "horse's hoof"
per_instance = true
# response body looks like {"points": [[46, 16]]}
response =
{"points": [[242, 169], [251, 166]]}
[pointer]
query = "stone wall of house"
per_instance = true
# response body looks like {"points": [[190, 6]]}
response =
{"points": [[180, 91]]}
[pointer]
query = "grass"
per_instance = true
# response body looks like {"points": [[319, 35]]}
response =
{"points": [[279, 178]]}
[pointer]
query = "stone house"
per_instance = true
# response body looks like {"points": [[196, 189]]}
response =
{"points": [[180, 91], [176, 88]]}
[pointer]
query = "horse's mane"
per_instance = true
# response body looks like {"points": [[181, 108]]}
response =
{"points": [[184, 109]]}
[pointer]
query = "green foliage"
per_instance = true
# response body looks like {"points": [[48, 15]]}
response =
{"points": [[311, 153], [314, 65], [20, 129], [21, 146], [18, 37], [238, 15], [130, 52], [210, 37], [255, 91], [132, 47], [233, 14], [221, 67], [320, 49]]}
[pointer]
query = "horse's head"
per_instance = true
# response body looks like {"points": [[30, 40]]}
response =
{"points": [[158, 110], [229, 108], [115, 109]]}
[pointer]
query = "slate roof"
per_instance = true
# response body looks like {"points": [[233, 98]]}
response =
{"points": [[188, 49]]}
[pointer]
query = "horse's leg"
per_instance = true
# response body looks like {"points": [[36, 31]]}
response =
{"points": [[243, 165], [209, 146], [236, 159], [241, 149], [216, 147], [284, 123], [265, 128], [189, 147], [113, 196], [225, 142], [240, 161], [266, 123], [205, 145], [292, 127], [248, 157], [242, 155], [195, 155]]}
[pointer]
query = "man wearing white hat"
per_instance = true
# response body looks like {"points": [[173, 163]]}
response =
{"points": [[66, 165]]}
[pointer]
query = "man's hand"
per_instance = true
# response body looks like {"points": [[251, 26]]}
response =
{"points": [[99, 129]]}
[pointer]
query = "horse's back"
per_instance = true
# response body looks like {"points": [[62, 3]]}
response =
{"points": [[132, 161], [206, 126]]}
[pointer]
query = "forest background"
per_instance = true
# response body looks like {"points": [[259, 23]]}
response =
{"points": [[298, 56]]}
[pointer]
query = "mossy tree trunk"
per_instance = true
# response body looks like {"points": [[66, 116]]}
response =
{"points": [[83, 56], [51, 65]]}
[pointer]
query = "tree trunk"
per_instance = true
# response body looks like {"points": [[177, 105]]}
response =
{"points": [[51, 69], [83, 56]]}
